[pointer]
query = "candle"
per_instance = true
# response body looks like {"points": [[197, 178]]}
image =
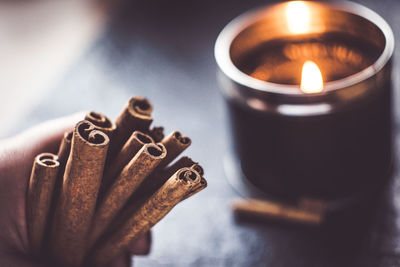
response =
{"points": [[311, 78], [308, 91], [280, 60]]}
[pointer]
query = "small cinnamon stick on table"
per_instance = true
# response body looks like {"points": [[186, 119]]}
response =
{"points": [[264, 209]]}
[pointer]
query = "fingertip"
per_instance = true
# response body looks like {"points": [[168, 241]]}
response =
{"points": [[142, 245]]}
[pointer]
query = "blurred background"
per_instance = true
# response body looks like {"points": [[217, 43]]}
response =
{"points": [[59, 57]]}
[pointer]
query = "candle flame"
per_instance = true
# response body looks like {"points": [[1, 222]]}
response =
{"points": [[298, 17], [311, 78]]}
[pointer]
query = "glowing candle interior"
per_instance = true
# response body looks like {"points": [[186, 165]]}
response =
{"points": [[311, 78], [303, 35]]}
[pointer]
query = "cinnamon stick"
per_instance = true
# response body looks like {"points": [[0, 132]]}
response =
{"points": [[40, 192], [313, 204], [102, 123], [65, 147], [170, 194], [197, 167], [63, 153], [142, 164], [180, 163], [264, 209], [175, 144], [187, 162], [128, 151], [201, 185], [149, 187], [157, 133], [136, 116], [78, 196]]}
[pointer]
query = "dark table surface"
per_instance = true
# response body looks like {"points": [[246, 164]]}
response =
{"points": [[164, 50]]}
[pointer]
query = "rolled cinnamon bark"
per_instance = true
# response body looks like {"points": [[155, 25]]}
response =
{"points": [[175, 144], [128, 151], [102, 123], [196, 189], [136, 116], [170, 194], [267, 210], [180, 163], [144, 162], [153, 183], [40, 192], [157, 133], [65, 147], [77, 201], [201, 185], [63, 154], [187, 162], [197, 167]]}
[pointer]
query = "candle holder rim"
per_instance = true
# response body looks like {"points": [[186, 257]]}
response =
{"points": [[238, 24]]}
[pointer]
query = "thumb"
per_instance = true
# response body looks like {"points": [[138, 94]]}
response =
{"points": [[44, 137]]}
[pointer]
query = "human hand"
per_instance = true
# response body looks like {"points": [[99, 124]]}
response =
{"points": [[16, 159]]}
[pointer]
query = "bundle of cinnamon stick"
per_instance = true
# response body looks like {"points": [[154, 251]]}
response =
{"points": [[108, 185]]}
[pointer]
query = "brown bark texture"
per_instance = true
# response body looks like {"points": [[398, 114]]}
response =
{"points": [[130, 178], [153, 210], [128, 151], [157, 133], [77, 200], [39, 198], [102, 123], [136, 116]]}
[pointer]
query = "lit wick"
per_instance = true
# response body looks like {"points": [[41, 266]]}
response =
{"points": [[311, 78]]}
